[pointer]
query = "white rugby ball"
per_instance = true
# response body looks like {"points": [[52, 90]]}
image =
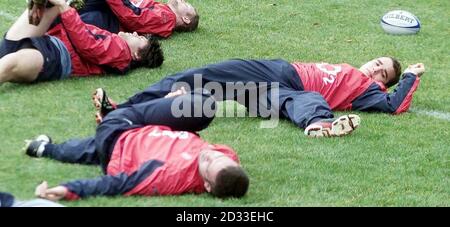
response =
{"points": [[400, 22]]}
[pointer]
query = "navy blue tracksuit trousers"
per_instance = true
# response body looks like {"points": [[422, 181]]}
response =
{"points": [[97, 150], [97, 13], [302, 108]]}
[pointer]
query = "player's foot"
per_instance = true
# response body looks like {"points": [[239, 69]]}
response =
{"points": [[103, 105], [77, 4], [35, 148], [341, 126]]}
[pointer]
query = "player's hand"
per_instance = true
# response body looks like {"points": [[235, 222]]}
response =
{"points": [[35, 13], [416, 69], [181, 91], [54, 194]]}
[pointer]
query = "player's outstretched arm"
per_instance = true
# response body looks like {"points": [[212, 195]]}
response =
{"points": [[396, 102], [106, 185]]}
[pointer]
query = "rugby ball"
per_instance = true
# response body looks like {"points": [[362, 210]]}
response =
{"points": [[400, 22]]}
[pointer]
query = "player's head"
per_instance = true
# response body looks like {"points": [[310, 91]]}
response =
{"points": [[223, 176], [187, 15], [386, 70], [145, 50]]}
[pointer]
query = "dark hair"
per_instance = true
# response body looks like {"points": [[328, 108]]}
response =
{"points": [[151, 55], [397, 71], [231, 181], [191, 26]]}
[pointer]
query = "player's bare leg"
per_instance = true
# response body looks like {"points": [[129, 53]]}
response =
{"points": [[23, 29], [36, 9], [22, 66]]}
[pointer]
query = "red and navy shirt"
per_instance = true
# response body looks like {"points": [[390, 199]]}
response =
{"points": [[144, 16], [346, 88], [150, 161], [92, 50]]}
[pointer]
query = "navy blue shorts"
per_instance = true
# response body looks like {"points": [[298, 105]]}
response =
{"points": [[97, 13], [57, 63]]}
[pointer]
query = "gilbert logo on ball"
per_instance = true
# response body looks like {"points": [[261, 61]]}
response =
{"points": [[400, 22]]}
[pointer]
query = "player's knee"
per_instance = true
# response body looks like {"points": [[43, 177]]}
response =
{"points": [[8, 67]]}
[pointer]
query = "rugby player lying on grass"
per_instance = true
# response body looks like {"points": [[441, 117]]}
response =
{"points": [[29, 53], [307, 92], [144, 150], [141, 16]]}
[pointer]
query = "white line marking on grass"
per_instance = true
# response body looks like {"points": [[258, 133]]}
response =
{"points": [[7, 16], [435, 114]]}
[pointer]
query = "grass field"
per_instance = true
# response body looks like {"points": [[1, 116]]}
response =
{"points": [[389, 161]]}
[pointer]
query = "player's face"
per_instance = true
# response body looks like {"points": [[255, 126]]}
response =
{"points": [[182, 7], [210, 163], [134, 41], [379, 69]]}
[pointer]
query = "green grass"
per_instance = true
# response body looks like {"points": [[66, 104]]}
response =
{"points": [[389, 161]]}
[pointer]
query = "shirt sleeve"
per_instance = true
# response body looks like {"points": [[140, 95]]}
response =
{"points": [[396, 102], [108, 185], [95, 45], [156, 19]]}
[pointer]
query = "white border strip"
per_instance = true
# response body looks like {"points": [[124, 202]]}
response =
{"points": [[435, 114], [7, 16]]}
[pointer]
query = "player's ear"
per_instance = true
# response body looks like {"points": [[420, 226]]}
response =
{"points": [[136, 56], [186, 20], [207, 186]]}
